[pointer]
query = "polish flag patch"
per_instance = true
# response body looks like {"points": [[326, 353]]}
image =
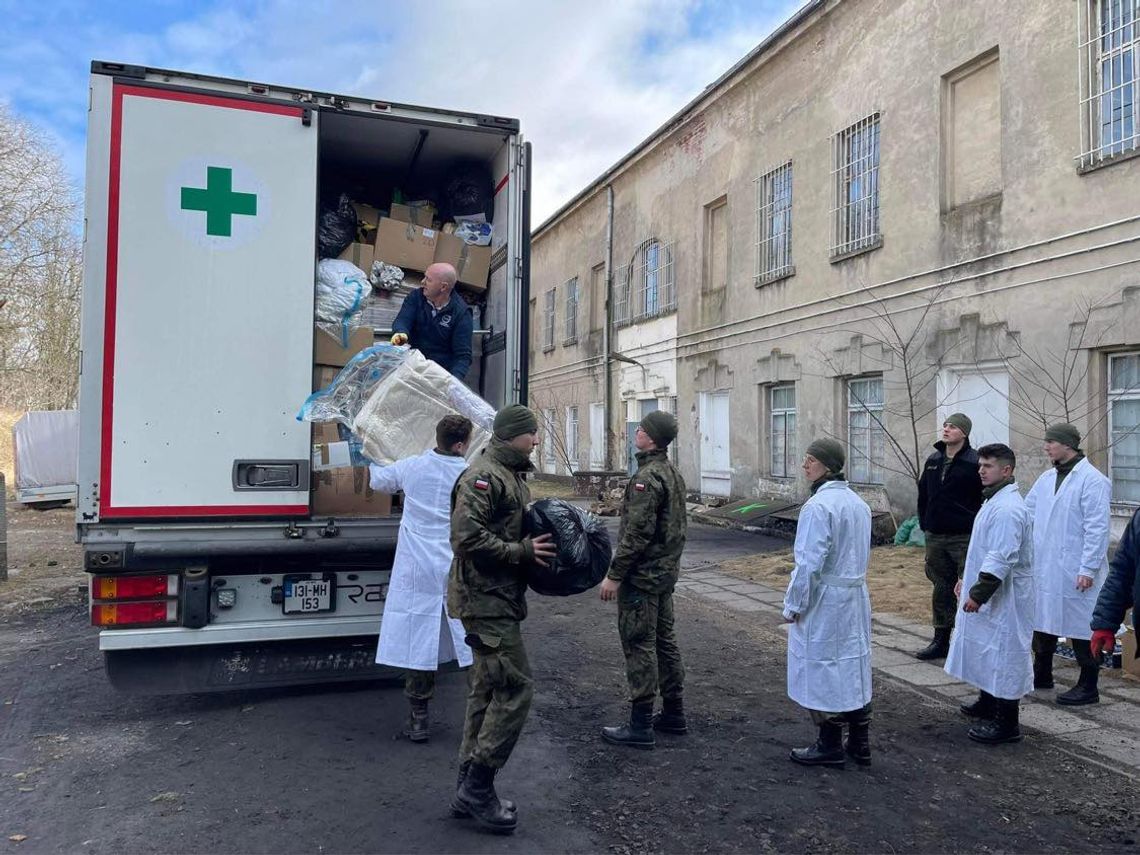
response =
{"points": [[480, 484], [639, 487]]}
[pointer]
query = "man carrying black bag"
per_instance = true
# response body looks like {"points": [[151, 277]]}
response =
{"points": [[641, 578]]}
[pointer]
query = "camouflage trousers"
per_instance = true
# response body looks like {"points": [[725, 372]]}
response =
{"points": [[500, 689], [945, 561], [652, 657], [859, 716], [419, 685]]}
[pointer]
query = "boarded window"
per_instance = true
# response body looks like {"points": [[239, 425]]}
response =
{"points": [[971, 132]]}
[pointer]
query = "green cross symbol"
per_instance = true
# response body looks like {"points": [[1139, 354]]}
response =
{"points": [[219, 201]]}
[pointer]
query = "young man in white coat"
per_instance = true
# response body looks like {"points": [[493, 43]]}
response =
{"points": [[416, 633], [1069, 505], [989, 648], [829, 640]]}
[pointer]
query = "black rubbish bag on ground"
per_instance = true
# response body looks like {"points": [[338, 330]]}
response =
{"points": [[338, 228], [583, 546]]}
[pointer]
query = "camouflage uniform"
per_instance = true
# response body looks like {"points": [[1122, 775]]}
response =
{"points": [[647, 561], [487, 591]]}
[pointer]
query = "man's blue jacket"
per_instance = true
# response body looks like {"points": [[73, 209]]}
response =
{"points": [[444, 338]]}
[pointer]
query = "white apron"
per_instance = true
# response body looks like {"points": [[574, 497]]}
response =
{"points": [[829, 646], [415, 630], [991, 648], [1070, 538]]}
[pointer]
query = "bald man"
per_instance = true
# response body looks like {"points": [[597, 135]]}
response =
{"points": [[437, 322]]}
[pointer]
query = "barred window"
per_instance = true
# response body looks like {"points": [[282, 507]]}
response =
{"points": [[1109, 68], [774, 225], [548, 321], [572, 435], [782, 405], [855, 176], [571, 287], [549, 460], [646, 288], [1124, 426], [866, 439]]}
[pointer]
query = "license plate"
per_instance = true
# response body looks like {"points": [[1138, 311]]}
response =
{"points": [[306, 596]]}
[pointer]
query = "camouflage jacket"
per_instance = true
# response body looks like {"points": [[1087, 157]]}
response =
{"points": [[488, 503], [653, 524]]}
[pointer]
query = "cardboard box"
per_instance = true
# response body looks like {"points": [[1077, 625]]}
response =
{"points": [[367, 219], [323, 375], [325, 432], [420, 215], [327, 350], [1128, 661], [359, 254], [471, 263], [345, 492], [405, 245], [331, 455]]}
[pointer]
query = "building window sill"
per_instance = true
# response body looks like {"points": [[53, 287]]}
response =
{"points": [[567, 342], [870, 246], [660, 313], [1084, 168], [772, 276], [549, 348]]}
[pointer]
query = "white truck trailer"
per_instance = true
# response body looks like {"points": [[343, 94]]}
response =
{"points": [[209, 570]]}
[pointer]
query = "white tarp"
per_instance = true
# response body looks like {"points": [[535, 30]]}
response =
{"points": [[46, 446]]}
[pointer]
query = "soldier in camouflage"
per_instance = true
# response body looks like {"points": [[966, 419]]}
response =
{"points": [[641, 578], [487, 592]]}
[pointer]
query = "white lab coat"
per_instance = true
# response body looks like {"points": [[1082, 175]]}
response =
{"points": [[415, 630], [990, 648], [1070, 539], [829, 645]]}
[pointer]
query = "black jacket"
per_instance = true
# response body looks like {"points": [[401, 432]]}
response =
{"points": [[949, 507], [1121, 589], [446, 338]]}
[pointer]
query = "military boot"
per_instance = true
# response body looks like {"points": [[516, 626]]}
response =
{"points": [[1043, 670], [828, 748], [938, 647], [859, 735], [477, 795], [458, 811], [1085, 692], [417, 728], [984, 707], [1003, 727], [671, 719], [638, 733]]}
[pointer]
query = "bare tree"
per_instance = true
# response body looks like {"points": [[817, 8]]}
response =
{"points": [[566, 453], [40, 272]]}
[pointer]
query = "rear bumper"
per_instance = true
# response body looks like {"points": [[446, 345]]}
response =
{"points": [[282, 629]]}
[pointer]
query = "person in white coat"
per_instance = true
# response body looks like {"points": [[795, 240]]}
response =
{"points": [[1070, 508], [416, 633], [989, 648], [829, 639]]}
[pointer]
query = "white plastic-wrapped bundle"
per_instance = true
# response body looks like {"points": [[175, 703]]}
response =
{"points": [[341, 290], [398, 419]]}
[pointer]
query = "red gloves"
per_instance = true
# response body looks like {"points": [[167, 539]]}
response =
{"points": [[1102, 640]]}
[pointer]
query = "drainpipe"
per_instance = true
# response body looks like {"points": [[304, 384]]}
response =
{"points": [[608, 325]]}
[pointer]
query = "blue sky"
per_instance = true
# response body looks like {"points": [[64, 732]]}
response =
{"points": [[588, 79]]}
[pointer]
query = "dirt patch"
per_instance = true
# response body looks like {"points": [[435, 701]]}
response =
{"points": [[45, 565], [541, 489], [896, 579]]}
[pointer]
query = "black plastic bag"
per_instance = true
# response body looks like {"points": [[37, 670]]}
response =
{"points": [[583, 546], [337, 229], [468, 191]]}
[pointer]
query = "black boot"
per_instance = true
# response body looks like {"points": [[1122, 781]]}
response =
{"points": [[418, 728], [638, 733], [458, 810], [1085, 692], [939, 647], [1043, 670], [859, 735], [671, 719], [828, 748], [985, 707], [1003, 727], [477, 795]]}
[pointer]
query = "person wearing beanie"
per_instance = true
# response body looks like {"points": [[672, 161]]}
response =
{"points": [[992, 638], [641, 578], [949, 496], [1069, 504], [827, 605], [487, 592]]}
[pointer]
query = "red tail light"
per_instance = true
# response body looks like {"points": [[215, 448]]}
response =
{"points": [[123, 614], [134, 587]]}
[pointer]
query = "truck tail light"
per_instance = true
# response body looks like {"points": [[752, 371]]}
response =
{"points": [[127, 614], [134, 587]]}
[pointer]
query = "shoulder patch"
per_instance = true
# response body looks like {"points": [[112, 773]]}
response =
{"points": [[639, 487], [480, 484]]}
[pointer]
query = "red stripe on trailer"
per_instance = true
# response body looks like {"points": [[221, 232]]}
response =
{"points": [[106, 509], [502, 184]]}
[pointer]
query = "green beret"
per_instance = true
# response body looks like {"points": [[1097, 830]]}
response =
{"points": [[514, 420], [828, 452], [661, 427]]}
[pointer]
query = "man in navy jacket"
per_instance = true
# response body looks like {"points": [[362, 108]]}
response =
{"points": [[1121, 590], [437, 322]]}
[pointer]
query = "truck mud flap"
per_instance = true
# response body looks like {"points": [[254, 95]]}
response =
{"points": [[172, 671]]}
